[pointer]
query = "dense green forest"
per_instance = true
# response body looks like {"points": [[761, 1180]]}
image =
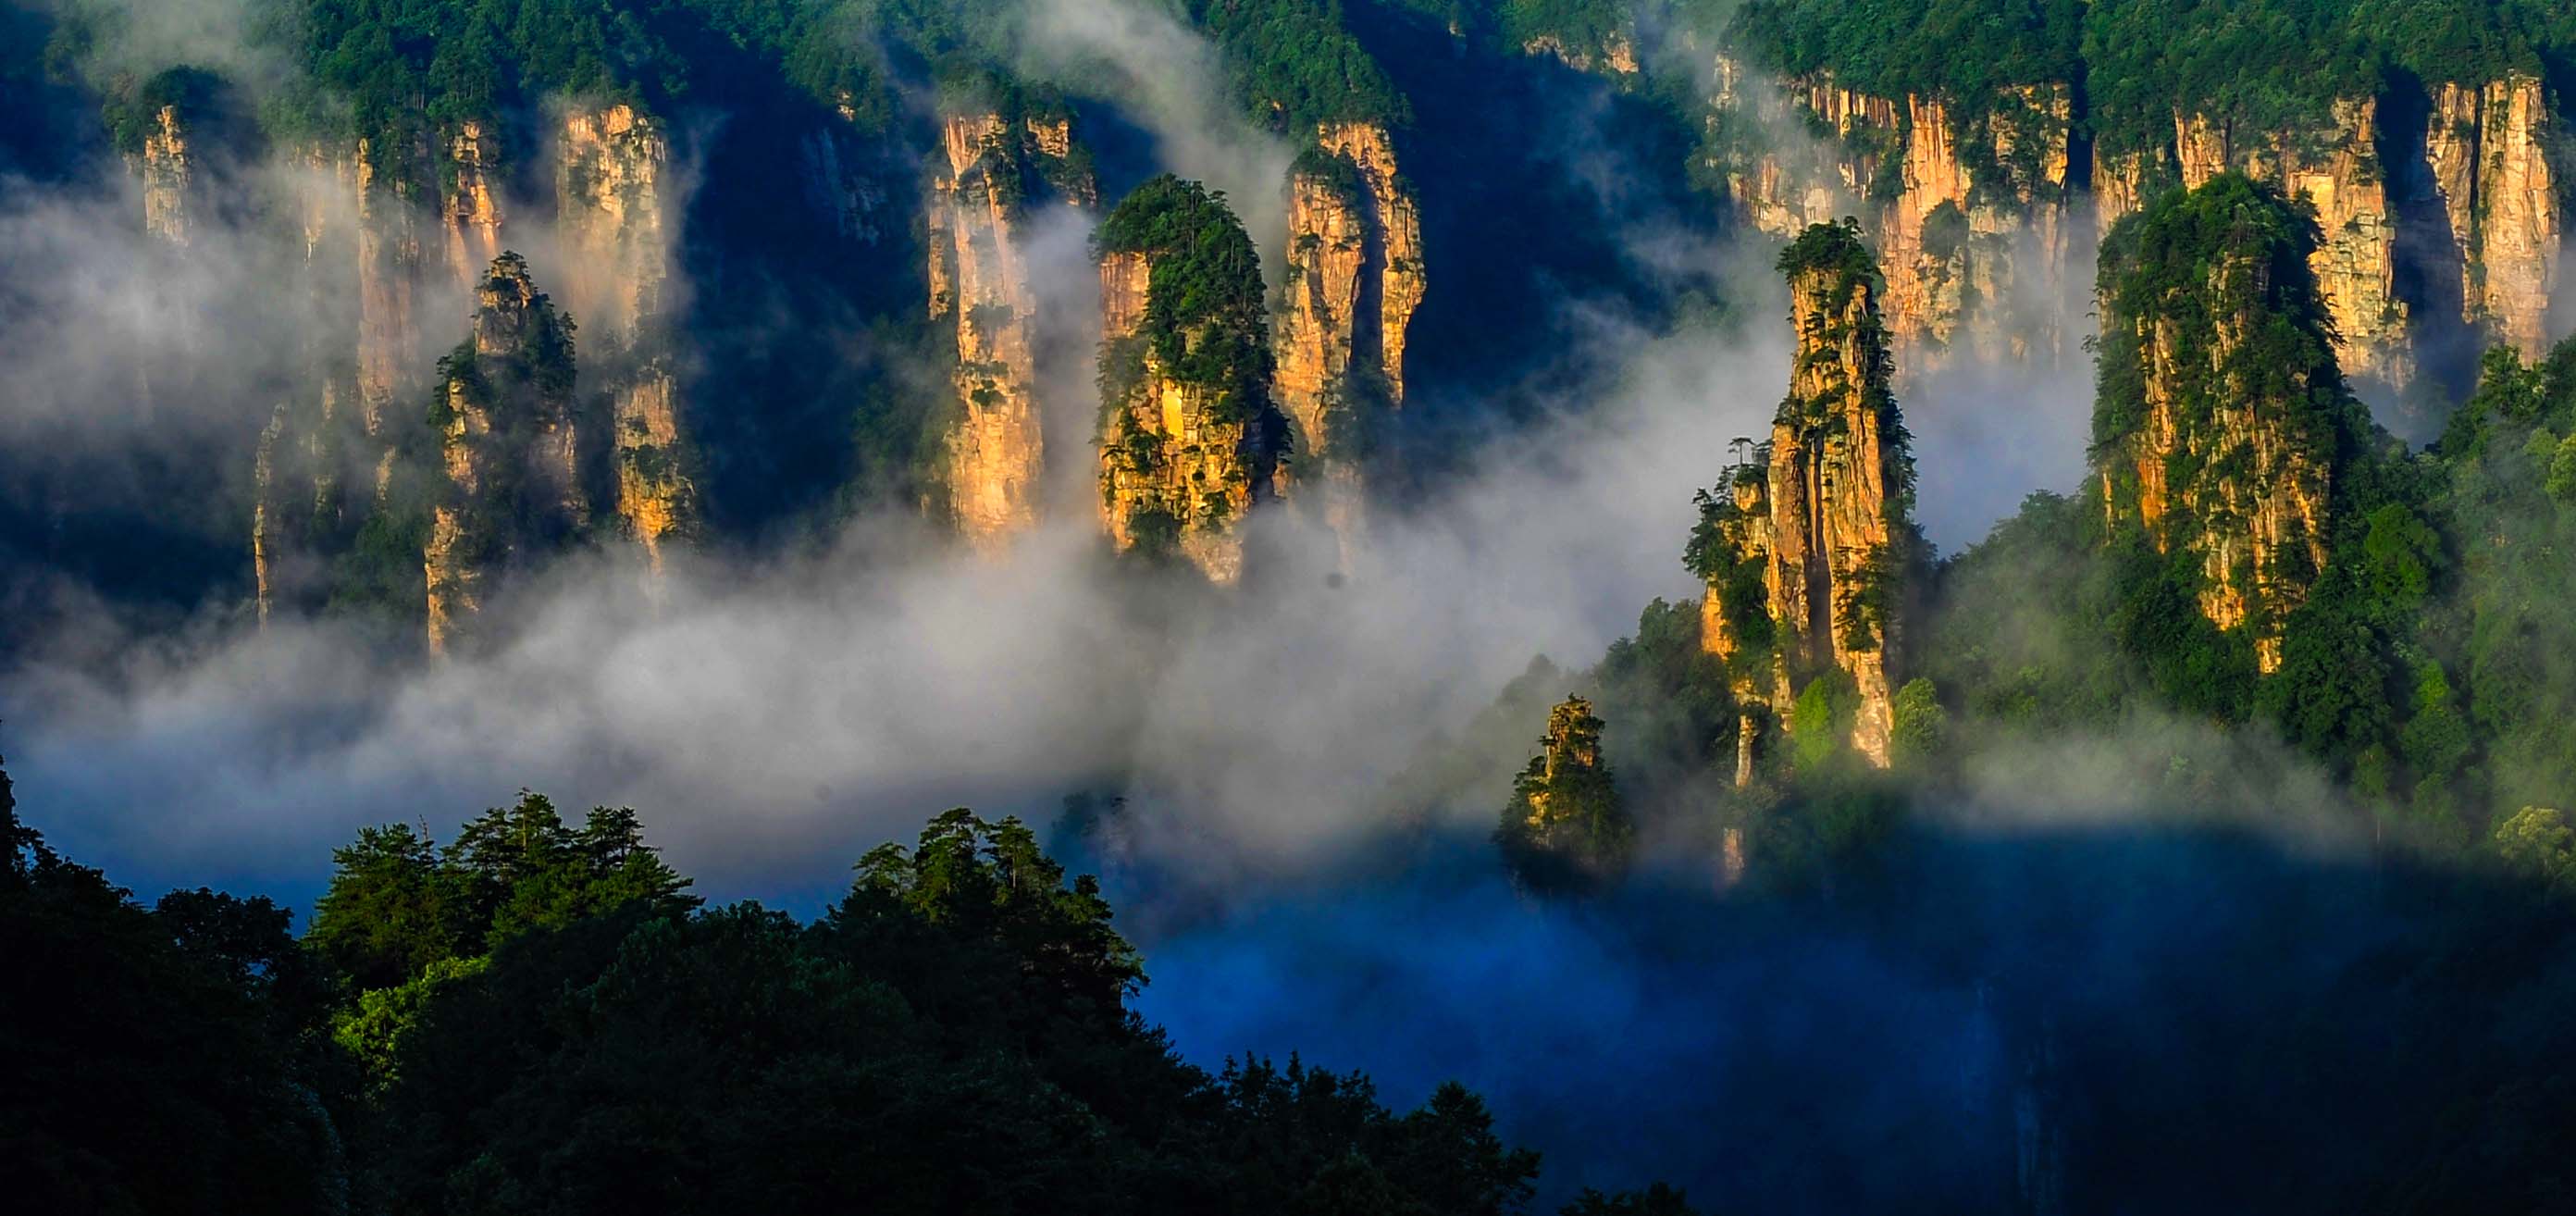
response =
{"points": [[536, 1014]]}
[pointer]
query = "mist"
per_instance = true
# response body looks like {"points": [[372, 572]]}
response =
{"points": [[2035, 951]]}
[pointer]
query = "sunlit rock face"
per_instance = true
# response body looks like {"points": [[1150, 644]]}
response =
{"points": [[2486, 146], [2222, 412], [1810, 547], [614, 208], [1189, 439], [470, 208], [1968, 217], [994, 168], [2337, 169], [165, 169], [1354, 277]]}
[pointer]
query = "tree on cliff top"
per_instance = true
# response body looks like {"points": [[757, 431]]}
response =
{"points": [[1206, 321], [1565, 829]]}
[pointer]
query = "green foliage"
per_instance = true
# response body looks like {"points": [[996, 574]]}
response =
{"points": [[2515, 665], [1920, 731], [156, 1059], [1669, 695], [950, 1037], [1205, 320], [1820, 722], [1565, 830], [2021, 622], [2561, 483], [2537, 843], [2264, 65], [1735, 577], [1294, 64]]}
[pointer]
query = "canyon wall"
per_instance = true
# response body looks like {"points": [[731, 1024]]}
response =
{"points": [[1968, 218]]}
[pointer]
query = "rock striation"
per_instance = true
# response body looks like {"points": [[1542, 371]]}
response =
{"points": [[1968, 217], [2486, 146], [1354, 278], [2222, 413], [1807, 550], [994, 166]]}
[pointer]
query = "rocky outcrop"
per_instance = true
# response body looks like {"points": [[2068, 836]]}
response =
{"points": [[1353, 280], [165, 169], [1189, 439], [2222, 409], [656, 497], [470, 208], [1968, 217], [1807, 550], [2485, 146], [992, 168], [509, 450], [2337, 169], [612, 162], [613, 195]]}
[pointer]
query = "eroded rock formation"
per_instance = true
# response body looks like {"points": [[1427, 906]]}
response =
{"points": [[471, 206], [509, 449], [1353, 280], [2486, 148], [2222, 412], [994, 168], [2337, 169], [612, 198], [165, 169], [1968, 216], [1807, 550], [1189, 438]]}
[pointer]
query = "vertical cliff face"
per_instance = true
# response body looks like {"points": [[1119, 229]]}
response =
{"points": [[389, 265], [508, 445], [1189, 438], [2222, 413], [993, 168], [1806, 551], [470, 208], [2485, 146], [612, 199], [1967, 215], [165, 168], [1353, 281], [2337, 169], [609, 196]]}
